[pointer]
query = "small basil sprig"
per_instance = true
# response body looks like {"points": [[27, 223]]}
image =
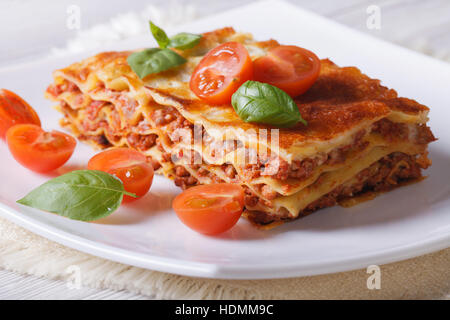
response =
{"points": [[180, 41], [156, 60], [263, 103], [184, 41], [160, 35], [85, 195]]}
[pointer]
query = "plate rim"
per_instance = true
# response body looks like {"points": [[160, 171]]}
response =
{"points": [[226, 272]]}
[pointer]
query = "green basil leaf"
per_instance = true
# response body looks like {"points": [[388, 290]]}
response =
{"points": [[184, 41], [159, 35], [263, 103], [81, 195], [153, 60]]}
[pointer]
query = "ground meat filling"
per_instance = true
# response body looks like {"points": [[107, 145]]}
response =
{"points": [[66, 86], [275, 167], [141, 142], [281, 170], [268, 193], [163, 116], [250, 199], [183, 178], [383, 175]]}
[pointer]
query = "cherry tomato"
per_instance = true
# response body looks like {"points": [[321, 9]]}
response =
{"points": [[129, 165], [37, 149], [290, 68], [14, 110], [210, 209], [221, 72]]}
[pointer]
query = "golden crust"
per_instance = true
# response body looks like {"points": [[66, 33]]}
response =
{"points": [[340, 100]]}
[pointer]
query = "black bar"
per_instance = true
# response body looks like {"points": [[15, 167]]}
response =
{"points": [[229, 309]]}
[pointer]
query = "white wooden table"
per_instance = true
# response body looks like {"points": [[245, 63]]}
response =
{"points": [[28, 29]]}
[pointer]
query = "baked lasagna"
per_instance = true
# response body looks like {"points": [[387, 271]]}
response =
{"points": [[360, 137]]}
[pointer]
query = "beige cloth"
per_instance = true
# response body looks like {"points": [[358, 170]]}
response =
{"points": [[426, 277]]}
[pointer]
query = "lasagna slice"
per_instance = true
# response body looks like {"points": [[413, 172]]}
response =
{"points": [[360, 135]]}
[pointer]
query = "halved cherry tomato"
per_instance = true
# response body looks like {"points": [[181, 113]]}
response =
{"points": [[290, 68], [15, 110], [37, 149], [129, 165], [221, 72], [210, 209]]}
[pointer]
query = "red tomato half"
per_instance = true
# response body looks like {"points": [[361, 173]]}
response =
{"points": [[210, 209], [15, 110], [130, 166], [221, 72], [37, 149], [290, 68]]}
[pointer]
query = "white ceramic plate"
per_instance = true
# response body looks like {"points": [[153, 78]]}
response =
{"points": [[404, 223]]}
